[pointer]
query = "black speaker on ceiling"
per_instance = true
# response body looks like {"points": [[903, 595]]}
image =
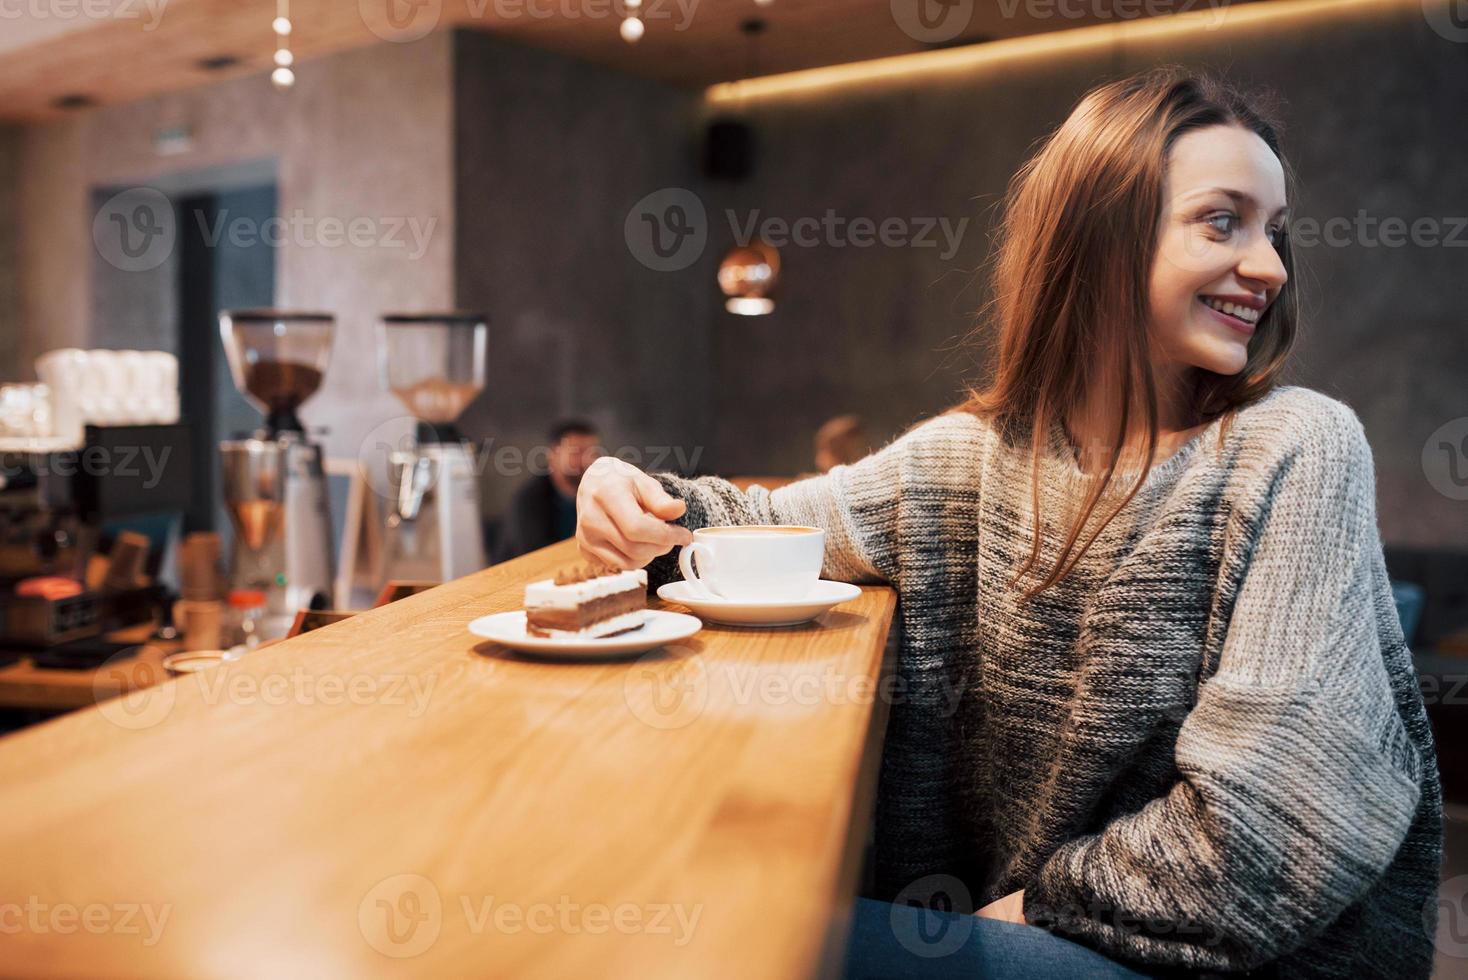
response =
{"points": [[728, 149]]}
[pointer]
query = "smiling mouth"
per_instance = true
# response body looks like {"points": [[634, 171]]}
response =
{"points": [[1241, 318]]}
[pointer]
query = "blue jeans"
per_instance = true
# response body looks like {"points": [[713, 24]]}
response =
{"points": [[899, 942]]}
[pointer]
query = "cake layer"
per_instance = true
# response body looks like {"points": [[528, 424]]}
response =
{"points": [[548, 593], [587, 613], [607, 627]]}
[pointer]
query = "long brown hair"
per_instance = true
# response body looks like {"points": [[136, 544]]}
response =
{"points": [[1070, 270]]}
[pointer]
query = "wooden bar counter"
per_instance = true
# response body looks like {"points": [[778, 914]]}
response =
{"points": [[390, 796]]}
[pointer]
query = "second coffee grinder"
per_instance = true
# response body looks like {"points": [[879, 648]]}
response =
{"points": [[435, 365]]}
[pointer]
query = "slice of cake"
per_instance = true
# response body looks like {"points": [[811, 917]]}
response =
{"points": [[586, 601]]}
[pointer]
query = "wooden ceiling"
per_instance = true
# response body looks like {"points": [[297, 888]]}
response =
{"points": [[154, 46]]}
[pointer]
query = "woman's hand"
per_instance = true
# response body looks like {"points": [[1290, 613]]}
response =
{"points": [[622, 515], [1010, 908]]}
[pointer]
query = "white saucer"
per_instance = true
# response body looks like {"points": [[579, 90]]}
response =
{"points": [[659, 627], [780, 612]]}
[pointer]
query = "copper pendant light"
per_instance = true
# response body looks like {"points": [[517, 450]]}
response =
{"points": [[749, 272], [748, 276]]}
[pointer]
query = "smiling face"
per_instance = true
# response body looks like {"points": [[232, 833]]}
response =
{"points": [[1217, 267]]}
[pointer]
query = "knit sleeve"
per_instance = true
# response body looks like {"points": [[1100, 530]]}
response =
{"points": [[1297, 781], [856, 504]]}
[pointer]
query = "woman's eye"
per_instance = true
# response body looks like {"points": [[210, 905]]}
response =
{"points": [[1224, 222], [1276, 235]]}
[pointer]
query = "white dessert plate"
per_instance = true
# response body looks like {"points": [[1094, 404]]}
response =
{"points": [[780, 612], [659, 627]]}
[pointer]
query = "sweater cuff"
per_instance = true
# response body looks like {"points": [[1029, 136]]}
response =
{"points": [[1034, 911], [664, 568], [1051, 899]]}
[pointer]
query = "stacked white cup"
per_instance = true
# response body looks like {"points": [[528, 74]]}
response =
{"points": [[106, 387], [25, 411]]}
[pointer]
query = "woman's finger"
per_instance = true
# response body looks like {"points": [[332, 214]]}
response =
{"points": [[636, 526], [598, 530], [644, 553], [607, 554], [655, 500]]}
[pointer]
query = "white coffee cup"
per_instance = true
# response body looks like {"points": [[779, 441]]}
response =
{"points": [[754, 562]]}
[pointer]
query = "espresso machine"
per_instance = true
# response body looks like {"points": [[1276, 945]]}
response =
{"points": [[60, 502], [435, 365], [274, 482]]}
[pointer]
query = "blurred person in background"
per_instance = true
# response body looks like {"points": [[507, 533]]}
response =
{"points": [[543, 510], [841, 440]]}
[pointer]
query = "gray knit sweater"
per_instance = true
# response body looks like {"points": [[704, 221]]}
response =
{"points": [[1204, 749]]}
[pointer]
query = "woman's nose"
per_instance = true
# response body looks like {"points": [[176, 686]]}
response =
{"points": [[1260, 262]]}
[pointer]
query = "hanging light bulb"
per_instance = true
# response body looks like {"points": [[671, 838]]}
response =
{"points": [[632, 4], [748, 276], [632, 28], [749, 272], [282, 77]]}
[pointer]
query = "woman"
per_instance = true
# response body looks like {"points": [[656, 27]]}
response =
{"points": [[1156, 699]]}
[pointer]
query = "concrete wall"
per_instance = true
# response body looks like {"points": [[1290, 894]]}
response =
{"points": [[9, 203], [53, 258], [134, 309], [1374, 117], [551, 154], [364, 135]]}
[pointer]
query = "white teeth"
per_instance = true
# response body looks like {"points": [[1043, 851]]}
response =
{"points": [[1245, 313]]}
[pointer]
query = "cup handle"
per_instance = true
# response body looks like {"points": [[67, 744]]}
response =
{"points": [[685, 564]]}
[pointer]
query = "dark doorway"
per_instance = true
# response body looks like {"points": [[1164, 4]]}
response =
{"points": [[226, 262]]}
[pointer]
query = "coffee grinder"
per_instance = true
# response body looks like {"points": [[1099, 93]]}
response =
{"points": [[435, 365], [274, 483]]}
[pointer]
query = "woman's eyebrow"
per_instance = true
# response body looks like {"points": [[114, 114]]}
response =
{"points": [[1245, 198]]}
